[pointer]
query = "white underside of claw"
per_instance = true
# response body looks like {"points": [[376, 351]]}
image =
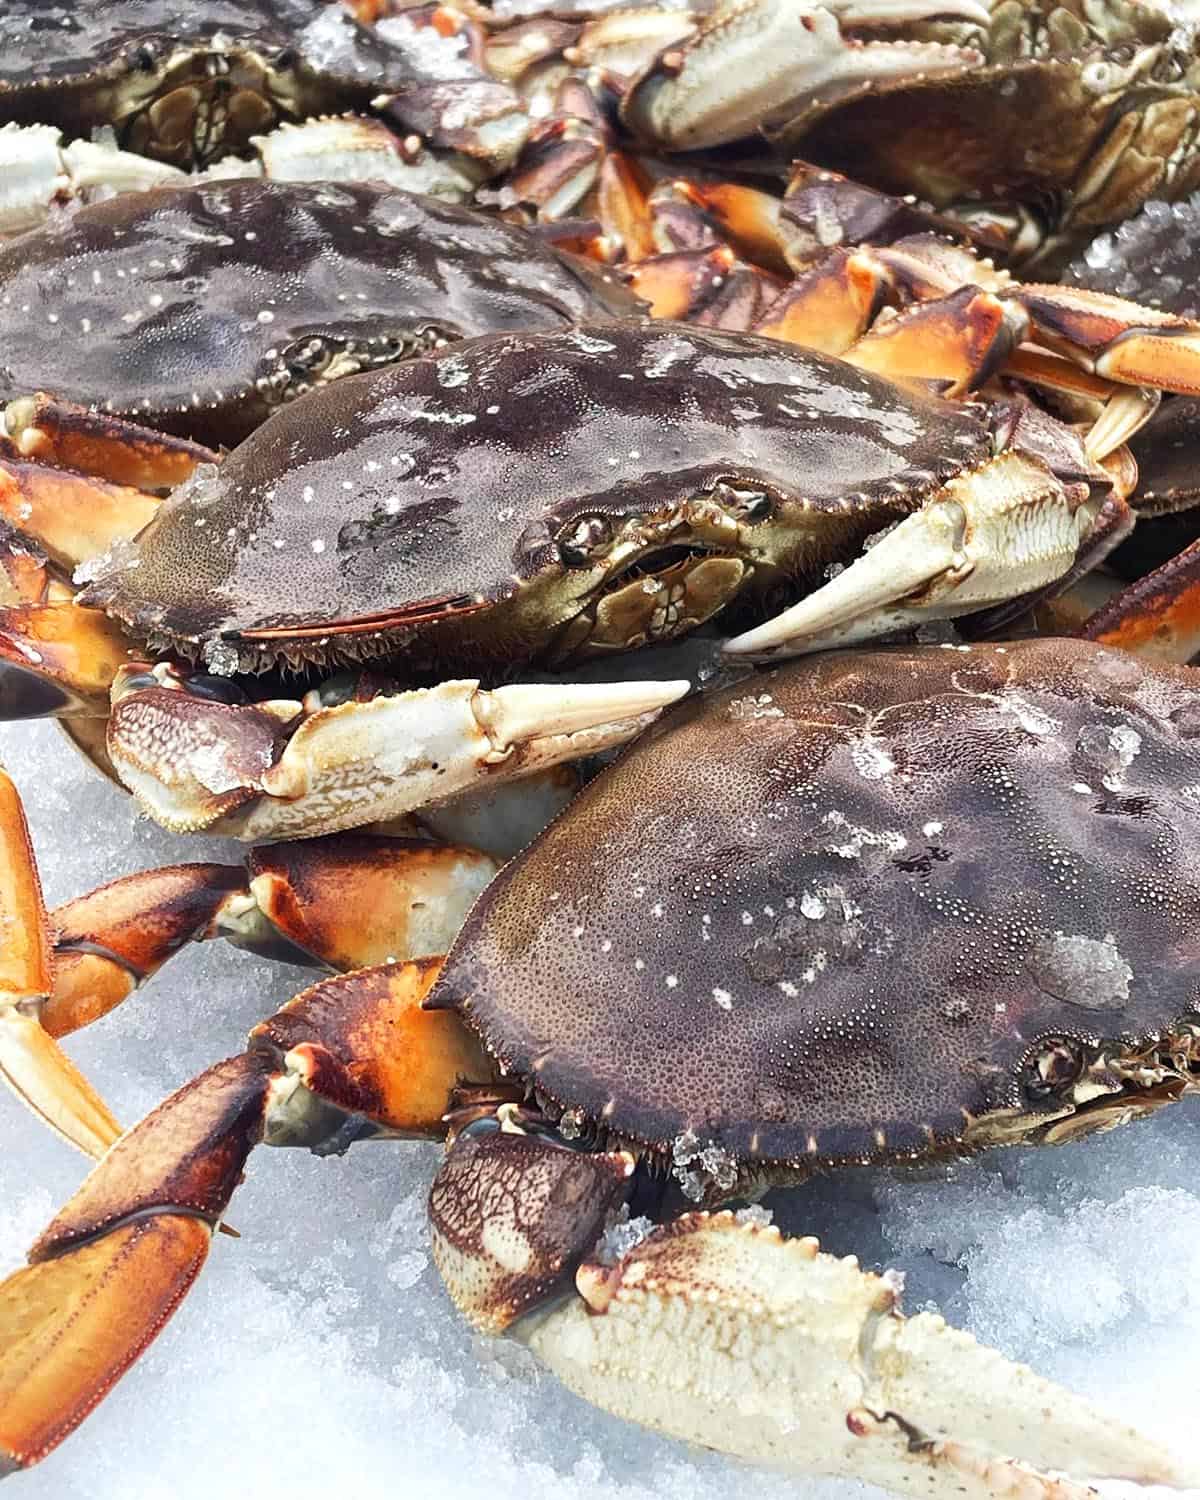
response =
{"points": [[366, 762], [724, 1333], [757, 63], [988, 536]]}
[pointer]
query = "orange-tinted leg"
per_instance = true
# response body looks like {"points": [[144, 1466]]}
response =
{"points": [[31, 1062], [348, 1057]]}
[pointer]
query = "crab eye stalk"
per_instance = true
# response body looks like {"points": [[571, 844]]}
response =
{"points": [[1054, 1069], [581, 540], [746, 505]]}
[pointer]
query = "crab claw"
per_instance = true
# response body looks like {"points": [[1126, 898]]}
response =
{"points": [[269, 771], [1006, 529], [722, 1332], [754, 64], [31, 1062]]}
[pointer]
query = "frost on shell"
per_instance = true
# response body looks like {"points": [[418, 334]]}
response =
{"points": [[621, 1236], [1109, 749], [698, 1168], [1084, 971]]}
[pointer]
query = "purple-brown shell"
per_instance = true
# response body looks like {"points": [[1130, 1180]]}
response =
{"points": [[200, 310], [830, 912], [455, 479]]}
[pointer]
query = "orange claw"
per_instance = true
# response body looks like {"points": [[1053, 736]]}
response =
{"points": [[31, 1062], [1158, 616], [71, 516], [71, 1326], [110, 448]]}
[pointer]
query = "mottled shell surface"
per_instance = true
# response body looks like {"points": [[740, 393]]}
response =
{"points": [[63, 62], [822, 914], [451, 477], [179, 306]]}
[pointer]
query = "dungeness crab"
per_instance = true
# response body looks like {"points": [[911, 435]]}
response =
{"points": [[885, 907], [423, 518]]}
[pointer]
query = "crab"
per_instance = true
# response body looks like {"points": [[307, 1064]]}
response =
{"points": [[462, 543], [189, 87], [1043, 121], [819, 973], [197, 311], [146, 92]]}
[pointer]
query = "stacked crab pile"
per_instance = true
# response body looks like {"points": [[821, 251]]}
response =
{"points": [[376, 381]]}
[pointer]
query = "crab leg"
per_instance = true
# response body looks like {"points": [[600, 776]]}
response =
{"points": [[31, 1062], [342, 903], [348, 1058], [1157, 616], [716, 1329], [1007, 529], [72, 516], [358, 762], [107, 447]]}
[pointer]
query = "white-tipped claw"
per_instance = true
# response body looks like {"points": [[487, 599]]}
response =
{"points": [[724, 1333], [513, 715], [992, 535], [195, 764]]}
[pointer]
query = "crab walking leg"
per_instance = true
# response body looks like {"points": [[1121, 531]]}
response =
{"points": [[341, 903], [31, 1062], [345, 902], [350, 1057], [1157, 616], [725, 1333], [1009, 528], [112, 449], [193, 763]]}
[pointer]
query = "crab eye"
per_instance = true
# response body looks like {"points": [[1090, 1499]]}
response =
{"points": [[145, 58], [286, 58], [306, 356], [577, 543], [1054, 1069], [752, 505], [744, 505]]}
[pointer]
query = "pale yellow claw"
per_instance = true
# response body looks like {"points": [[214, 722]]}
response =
{"points": [[722, 1332]]}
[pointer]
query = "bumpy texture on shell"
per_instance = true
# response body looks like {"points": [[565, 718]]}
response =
{"points": [[450, 477], [829, 910], [179, 307], [1153, 258]]}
